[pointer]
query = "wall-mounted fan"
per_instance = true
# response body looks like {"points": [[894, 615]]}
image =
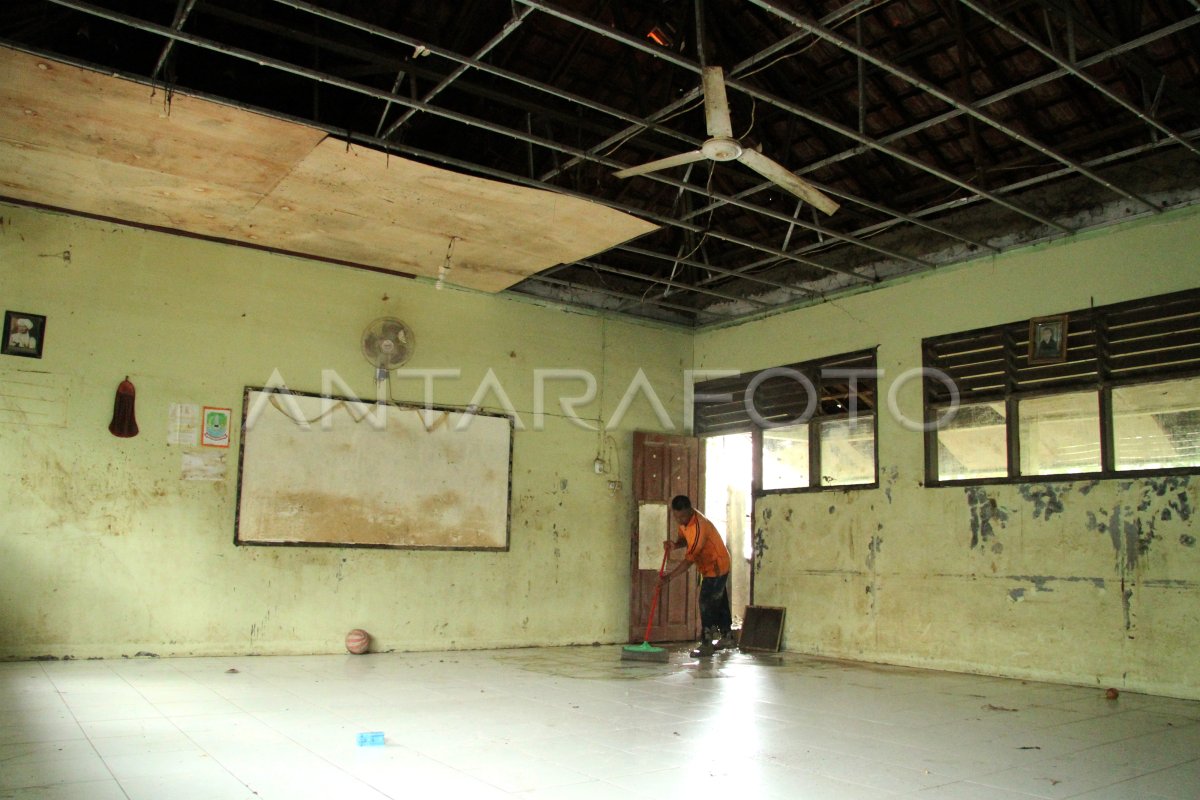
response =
{"points": [[721, 146], [387, 343]]}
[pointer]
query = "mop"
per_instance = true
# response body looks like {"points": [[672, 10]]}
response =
{"points": [[646, 651]]}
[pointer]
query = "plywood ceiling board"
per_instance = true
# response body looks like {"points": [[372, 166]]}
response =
{"points": [[361, 205], [102, 145], [93, 143], [147, 196], [58, 105], [543, 225]]}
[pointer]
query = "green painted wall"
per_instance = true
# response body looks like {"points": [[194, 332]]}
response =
{"points": [[105, 551], [1104, 590]]}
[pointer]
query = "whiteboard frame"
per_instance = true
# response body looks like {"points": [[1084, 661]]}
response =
{"points": [[349, 542]]}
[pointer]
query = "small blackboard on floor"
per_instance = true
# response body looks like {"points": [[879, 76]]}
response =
{"points": [[762, 629]]}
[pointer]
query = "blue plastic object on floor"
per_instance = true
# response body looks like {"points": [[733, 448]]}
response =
{"points": [[370, 739]]}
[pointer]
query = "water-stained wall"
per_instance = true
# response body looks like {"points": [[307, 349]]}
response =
{"points": [[1093, 582], [105, 550]]}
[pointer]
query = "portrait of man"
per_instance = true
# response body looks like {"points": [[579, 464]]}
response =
{"points": [[1047, 340], [23, 334]]}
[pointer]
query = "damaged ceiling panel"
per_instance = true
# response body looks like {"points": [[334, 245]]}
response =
{"points": [[75, 139], [942, 129]]}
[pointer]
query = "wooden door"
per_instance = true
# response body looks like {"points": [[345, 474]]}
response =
{"points": [[663, 466]]}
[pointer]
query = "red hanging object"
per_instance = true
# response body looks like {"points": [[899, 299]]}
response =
{"points": [[123, 422]]}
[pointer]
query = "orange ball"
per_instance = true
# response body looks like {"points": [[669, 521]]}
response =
{"points": [[358, 641]]}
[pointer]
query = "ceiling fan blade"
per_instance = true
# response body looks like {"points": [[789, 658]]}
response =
{"points": [[662, 163], [716, 104], [779, 175]]}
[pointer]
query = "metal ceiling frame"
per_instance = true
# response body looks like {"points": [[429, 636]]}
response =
{"points": [[639, 124], [957, 108], [785, 105], [386, 96], [420, 105], [1078, 73], [1126, 47], [1025, 86], [685, 220], [181, 15], [946, 97], [649, 124], [464, 65]]}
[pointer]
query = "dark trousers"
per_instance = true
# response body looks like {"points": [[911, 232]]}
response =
{"points": [[714, 604]]}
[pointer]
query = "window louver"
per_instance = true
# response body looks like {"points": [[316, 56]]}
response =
{"points": [[1156, 337], [779, 398]]}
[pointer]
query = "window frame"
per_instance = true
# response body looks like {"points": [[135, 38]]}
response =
{"points": [[814, 459], [813, 370], [1090, 327]]}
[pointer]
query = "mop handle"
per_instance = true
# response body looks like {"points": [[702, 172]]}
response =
{"points": [[654, 602]]}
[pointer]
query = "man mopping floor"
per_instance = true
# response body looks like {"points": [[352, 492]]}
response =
{"points": [[705, 549]]}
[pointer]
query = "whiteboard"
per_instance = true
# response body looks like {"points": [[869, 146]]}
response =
{"points": [[334, 471]]}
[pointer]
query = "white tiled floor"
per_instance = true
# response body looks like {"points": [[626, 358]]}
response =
{"points": [[575, 723]]}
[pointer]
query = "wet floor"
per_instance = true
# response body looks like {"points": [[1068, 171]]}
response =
{"points": [[576, 722]]}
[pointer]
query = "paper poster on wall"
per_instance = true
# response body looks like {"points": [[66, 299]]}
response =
{"points": [[203, 465], [215, 432], [653, 528], [183, 424]]}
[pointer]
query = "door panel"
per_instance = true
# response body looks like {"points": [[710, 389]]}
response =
{"points": [[663, 466]]}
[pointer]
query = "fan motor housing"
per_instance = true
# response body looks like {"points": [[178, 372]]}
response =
{"points": [[721, 149]]}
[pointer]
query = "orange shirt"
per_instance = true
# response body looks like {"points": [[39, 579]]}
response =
{"points": [[704, 546]]}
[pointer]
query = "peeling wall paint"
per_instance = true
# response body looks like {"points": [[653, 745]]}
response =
{"points": [[1045, 498], [1006, 579], [987, 516], [1042, 583], [873, 548], [889, 479], [105, 551], [1087, 581], [1132, 525]]}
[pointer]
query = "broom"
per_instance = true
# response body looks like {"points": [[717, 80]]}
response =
{"points": [[646, 651]]}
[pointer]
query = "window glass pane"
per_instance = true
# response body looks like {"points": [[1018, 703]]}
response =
{"points": [[1157, 425], [1060, 434], [973, 443], [848, 451], [785, 457]]}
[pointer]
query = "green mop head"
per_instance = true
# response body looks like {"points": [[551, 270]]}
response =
{"points": [[644, 652]]}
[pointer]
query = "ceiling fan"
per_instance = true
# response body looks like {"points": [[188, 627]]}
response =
{"points": [[721, 146]]}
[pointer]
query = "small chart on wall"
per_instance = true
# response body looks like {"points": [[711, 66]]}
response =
{"points": [[341, 472]]}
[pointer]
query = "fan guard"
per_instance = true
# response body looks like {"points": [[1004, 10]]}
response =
{"points": [[387, 343]]}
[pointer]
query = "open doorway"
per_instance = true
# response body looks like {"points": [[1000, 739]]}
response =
{"points": [[728, 473]]}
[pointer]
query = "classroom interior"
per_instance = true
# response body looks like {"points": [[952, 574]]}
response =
{"points": [[949, 632]]}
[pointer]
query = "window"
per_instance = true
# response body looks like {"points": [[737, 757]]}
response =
{"points": [[974, 443], [1122, 395], [785, 457], [1060, 433], [847, 451], [813, 423], [1157, 425]]}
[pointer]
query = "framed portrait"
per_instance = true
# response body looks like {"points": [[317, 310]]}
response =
{"points": [[1048, 339], [24, 334]]}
